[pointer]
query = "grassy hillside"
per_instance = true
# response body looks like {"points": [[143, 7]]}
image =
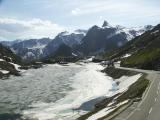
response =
{"points": [[147, 59], [144, 51]]}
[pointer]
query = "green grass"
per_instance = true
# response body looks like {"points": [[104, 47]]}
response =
{"points": [[143, 56], [144, 59]]}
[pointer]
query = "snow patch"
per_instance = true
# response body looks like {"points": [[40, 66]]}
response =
{"points": [[106, 111], [4, 71], [155, 32], [74, 54], [2, 60], [16, 66], [118, 62], [125, 82], [126, 55]]}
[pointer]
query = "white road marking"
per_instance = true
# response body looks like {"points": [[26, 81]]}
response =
{"points": [[155, 99], [145, 96], [157, 92], [150, 110]]}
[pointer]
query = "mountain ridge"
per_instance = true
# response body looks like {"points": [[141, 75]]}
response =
{"points": [[82, 42], [108, 37]]}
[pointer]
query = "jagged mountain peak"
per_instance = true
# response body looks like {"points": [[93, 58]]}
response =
{"points": [[105, 23], [94, 40]]}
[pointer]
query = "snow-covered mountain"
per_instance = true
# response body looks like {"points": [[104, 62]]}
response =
{"points": [[134, 31], [82, 42], [131, 32], [31, 49], [34, 49], [28, 49], [70, 39], [142, 52], [107, 37]]}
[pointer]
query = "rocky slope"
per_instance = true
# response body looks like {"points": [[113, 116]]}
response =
{"points": [[69, 39], [108, 37], [30, 49], [9, 62]]}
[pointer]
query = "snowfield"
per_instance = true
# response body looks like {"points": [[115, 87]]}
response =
{"points": [[106, 111]]}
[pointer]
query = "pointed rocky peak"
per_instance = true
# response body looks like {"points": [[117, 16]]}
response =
{"points": [[105, 24]]}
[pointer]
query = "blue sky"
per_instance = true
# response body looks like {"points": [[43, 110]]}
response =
{"points": [[24, 19]]}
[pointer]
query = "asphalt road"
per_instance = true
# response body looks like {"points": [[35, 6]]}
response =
{"points": [[149, 107]]}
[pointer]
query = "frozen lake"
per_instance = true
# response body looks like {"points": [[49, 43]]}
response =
{"points": [[54, 92]]}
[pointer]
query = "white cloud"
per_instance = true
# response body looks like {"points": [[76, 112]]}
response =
{"points": [[114, 7], [75, 11], [99, 6], [22, 29]]}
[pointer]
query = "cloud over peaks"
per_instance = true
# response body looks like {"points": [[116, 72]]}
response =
{"points": [[22, 29]]}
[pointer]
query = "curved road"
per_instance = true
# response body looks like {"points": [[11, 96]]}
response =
{"points": [[149, 107]]}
